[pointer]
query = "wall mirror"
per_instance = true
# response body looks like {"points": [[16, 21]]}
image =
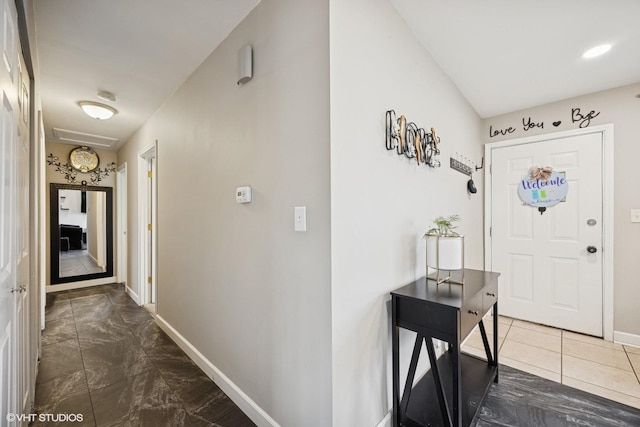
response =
{"points": [[81, 232]]}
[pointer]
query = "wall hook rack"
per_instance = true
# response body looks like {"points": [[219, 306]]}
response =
{"points": [[460, 166], [464, 165]]}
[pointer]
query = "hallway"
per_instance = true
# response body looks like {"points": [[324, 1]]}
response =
{"points": [[105, 358]]}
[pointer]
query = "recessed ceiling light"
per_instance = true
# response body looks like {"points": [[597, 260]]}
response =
{"points": [[105, 95], [97, 110], [597, 51]]}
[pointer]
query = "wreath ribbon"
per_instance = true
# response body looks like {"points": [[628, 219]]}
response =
{"points": [[543, 173]]}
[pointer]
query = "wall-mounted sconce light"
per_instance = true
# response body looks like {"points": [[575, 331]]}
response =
{"points": [[245, 64]]}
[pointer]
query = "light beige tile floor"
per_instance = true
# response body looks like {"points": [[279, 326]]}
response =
{"points": [[587, 363]]}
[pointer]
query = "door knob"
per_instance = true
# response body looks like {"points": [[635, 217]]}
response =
{"points": [[592, 249]]}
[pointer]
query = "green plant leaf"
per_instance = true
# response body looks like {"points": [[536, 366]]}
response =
{"points": [[444, 226]]}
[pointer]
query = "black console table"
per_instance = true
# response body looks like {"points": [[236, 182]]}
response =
{"points": [[455, 389]]}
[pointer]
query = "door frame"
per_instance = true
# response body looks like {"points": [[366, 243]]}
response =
{"points": [[40, 176], [145, 252], [121, 221], [607, 208]]}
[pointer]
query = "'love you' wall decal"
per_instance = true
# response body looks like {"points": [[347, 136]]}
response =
{"points": [[582, 118]]}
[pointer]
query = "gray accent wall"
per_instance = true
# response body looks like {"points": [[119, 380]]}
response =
{"points": [[235, 280]]}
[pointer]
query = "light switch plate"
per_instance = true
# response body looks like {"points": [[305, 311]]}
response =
{"points": [[243, 195], [635, 215], [300, 218]]}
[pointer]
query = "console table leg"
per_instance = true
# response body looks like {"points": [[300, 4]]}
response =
{"points": [[457, 386], [485, 342], [495, 340], [442, 399], [395, 340], [413, 365]]}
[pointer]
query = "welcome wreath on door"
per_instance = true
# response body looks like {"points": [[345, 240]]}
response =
{"points": [[542, 187]]}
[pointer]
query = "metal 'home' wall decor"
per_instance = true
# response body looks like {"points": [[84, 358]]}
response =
{"points": [[411, 141]]}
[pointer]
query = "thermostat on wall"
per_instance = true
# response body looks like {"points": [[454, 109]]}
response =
{"points": [[243, 195]]}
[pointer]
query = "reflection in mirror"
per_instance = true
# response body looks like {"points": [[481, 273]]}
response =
{"points": [[81, 233]]}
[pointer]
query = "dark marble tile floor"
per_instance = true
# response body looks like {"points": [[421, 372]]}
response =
{"points": [[104, 357], [523, 399]]}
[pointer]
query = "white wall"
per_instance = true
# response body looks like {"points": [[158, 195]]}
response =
{"points": [[236, 281], [621, 107], [381, 204]]}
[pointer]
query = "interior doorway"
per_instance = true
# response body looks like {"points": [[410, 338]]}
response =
{"points": [[556, 265], [148, 232], [121, 234]]}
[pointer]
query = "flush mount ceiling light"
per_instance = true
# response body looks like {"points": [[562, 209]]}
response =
{"points": [[97, 110], [597, 51]]}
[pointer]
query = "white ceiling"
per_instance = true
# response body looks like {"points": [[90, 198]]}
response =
{"points": [[503, 55], [507, 55], [140, 50]]}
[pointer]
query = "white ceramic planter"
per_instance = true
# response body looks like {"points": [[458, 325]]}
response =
{"points": [[445, 253]]}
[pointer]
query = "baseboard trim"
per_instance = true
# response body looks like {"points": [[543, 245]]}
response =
{"points": [[79, 285], [244, 402], [386, 421], [132, 294], [95, 261], [626, 338]]}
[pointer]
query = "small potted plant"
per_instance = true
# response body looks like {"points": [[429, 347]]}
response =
{"points": [[445, 247]]}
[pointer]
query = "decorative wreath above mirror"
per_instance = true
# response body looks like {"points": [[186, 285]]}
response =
{"points": [[83, 160]]}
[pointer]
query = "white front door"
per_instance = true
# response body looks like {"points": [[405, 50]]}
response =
{"points": [[551, 262]]}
